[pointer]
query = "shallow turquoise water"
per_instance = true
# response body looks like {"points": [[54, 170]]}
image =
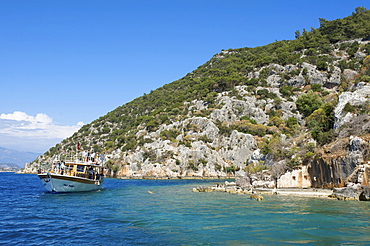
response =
{"points": [[124, 213]]}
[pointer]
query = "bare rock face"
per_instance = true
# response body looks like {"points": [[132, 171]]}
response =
{"points": [[365, 194], [240, 148], [263, 179], [349, 74], [260, 180], [356, 98], [233, 109], [361, 175], [243, 181], [274, 81], [347, 193], [29, 168], [297, 81], [353, 192], [360, 55], [335, 78], [315, 76], [341, 164]]}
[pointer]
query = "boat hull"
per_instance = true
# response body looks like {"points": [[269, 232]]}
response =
{"points": [[57, 183]]}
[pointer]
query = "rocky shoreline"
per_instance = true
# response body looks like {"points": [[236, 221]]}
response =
{"points": [[231, 187], [354, 193], [178, 177]]}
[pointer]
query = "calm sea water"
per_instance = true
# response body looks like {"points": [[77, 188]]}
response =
{"points": [[125, 213]]}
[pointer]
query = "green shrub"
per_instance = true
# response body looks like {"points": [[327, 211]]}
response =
{"points": [[316, 87], [205, 139], [255, 167], [365, 78], [252, 121], [253, 129], [170, 134], [109, 144], [224, 129], [322, 66], [218, 167], [150, 155], [308, 103], [358, 109], [294, 162], [275, 121], [131, 145], [308, 155], [286, 90], [349, 108], [191, 165], [264, 93], [323, 137], [232, 169], [291, 122]]}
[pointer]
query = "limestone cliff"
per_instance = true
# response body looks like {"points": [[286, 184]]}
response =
{"points": [[345, 161]]}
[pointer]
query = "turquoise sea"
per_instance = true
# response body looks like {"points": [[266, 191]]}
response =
{"points": [[125, 213]]}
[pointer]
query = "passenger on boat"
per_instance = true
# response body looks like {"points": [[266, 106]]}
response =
{"points": [[57, 167], [101, 158], [62, 168], [99, 176], [93, 156], [91, 173], [84, 155]]}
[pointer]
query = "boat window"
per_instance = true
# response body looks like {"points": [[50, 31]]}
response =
{"points": [[80, 168]]}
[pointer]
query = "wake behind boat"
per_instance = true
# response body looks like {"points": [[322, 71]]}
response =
{"points": [[73, 175]]}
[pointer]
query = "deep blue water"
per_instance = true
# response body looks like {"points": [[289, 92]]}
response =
{"points": [[125, 213]]}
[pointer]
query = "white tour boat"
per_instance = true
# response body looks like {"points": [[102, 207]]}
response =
{"points": [[73, 176]]}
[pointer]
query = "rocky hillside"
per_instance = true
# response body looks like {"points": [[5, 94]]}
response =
{"points": [[300, 104]]}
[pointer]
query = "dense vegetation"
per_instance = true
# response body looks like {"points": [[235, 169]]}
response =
{"points": [[231, 68]]}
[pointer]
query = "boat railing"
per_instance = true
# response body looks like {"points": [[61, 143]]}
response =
{"points": [[90, 168], [96, 173], [85, 160]]}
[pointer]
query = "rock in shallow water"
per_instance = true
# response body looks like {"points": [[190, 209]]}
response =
{"points": [[353, 192]]}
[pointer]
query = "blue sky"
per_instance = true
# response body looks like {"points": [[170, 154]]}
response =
{"points": [[66, 63]]}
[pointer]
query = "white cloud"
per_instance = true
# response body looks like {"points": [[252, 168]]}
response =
{"points": [[41, 126], [21, 116]]}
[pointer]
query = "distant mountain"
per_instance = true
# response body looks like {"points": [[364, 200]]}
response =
{"points": [[10, 156], [9, 167]]}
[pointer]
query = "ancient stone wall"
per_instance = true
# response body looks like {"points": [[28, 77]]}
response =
{"points": [[298, 178]]}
